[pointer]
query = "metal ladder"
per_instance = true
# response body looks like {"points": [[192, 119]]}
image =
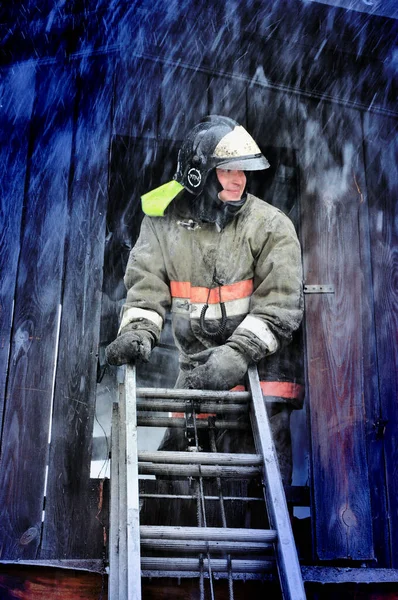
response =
{"points": [[127, 537]]}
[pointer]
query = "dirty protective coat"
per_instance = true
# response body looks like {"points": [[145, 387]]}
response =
{"points": [[256, 258], [253, 266]]}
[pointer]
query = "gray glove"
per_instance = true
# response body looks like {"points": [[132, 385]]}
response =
{"points": [[129, 347], [223, 368]]}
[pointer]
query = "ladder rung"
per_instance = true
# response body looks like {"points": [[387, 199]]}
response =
{"points": [[218, 565], [198, 470], [198, 395], [167, 465], [203, 458], [144, 421], [204, 546], [193, 394], [207, 498], [168, 405], [226, 534]]}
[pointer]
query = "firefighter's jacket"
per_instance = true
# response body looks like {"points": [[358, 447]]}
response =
{"points": [[252, 266]]}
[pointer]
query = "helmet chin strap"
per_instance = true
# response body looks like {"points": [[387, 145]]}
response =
{"points": [[234, 203]]}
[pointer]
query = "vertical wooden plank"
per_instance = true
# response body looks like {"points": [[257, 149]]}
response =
{"points": [[74, 399], [272, 117], [35, 329], [227, 97], [331, 247], [183, 101], [381, 147], [17, 88], [372, 405], [137, 92]]}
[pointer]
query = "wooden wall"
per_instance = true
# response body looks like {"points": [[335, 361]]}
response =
{"points": [[70, 128], [53, 285], [380, 149], [332, 179]]}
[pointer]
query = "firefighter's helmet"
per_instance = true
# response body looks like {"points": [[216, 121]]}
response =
{"points": [[215, 142]]}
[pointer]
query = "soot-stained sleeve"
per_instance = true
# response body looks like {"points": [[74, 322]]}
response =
{"points": [[276, 306], [146, 281]]}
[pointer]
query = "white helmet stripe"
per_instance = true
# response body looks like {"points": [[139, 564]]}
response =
{"points": [[236, 143]]}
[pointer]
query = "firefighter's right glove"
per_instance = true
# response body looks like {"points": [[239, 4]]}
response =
{"points": [[223, 369], [129, 347]]}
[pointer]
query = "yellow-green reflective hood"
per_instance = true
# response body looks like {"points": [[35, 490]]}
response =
{"points": [[155, 202]]}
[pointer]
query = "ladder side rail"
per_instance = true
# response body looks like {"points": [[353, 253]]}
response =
{"points": [[114, 527], [123, 558], [287, 560], [133, 503]]}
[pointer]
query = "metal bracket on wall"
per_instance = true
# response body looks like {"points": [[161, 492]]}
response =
{"points": [[325, 288]]}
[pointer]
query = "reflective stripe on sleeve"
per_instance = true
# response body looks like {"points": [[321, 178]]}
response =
{"points": [[133, 314], [283, 389], [261, 330]]}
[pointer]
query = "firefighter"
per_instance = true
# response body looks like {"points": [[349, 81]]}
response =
{"points": [[228, 266]]}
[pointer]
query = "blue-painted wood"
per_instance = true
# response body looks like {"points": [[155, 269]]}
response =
{"points": [[137, 97], [372, 403], [17, 88], [228, 97], [381, 147], [79, 533], [331, 242], [183, 101], [37, 309]]}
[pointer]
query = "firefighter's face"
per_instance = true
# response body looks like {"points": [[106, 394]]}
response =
{"points": [[233, 183]]}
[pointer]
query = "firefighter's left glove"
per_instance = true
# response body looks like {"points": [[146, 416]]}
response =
{"points": [[224, 368], [130, 346]]}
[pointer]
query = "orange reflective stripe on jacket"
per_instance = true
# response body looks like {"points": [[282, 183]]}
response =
{"points": [[225, 293], [282, 389]]}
